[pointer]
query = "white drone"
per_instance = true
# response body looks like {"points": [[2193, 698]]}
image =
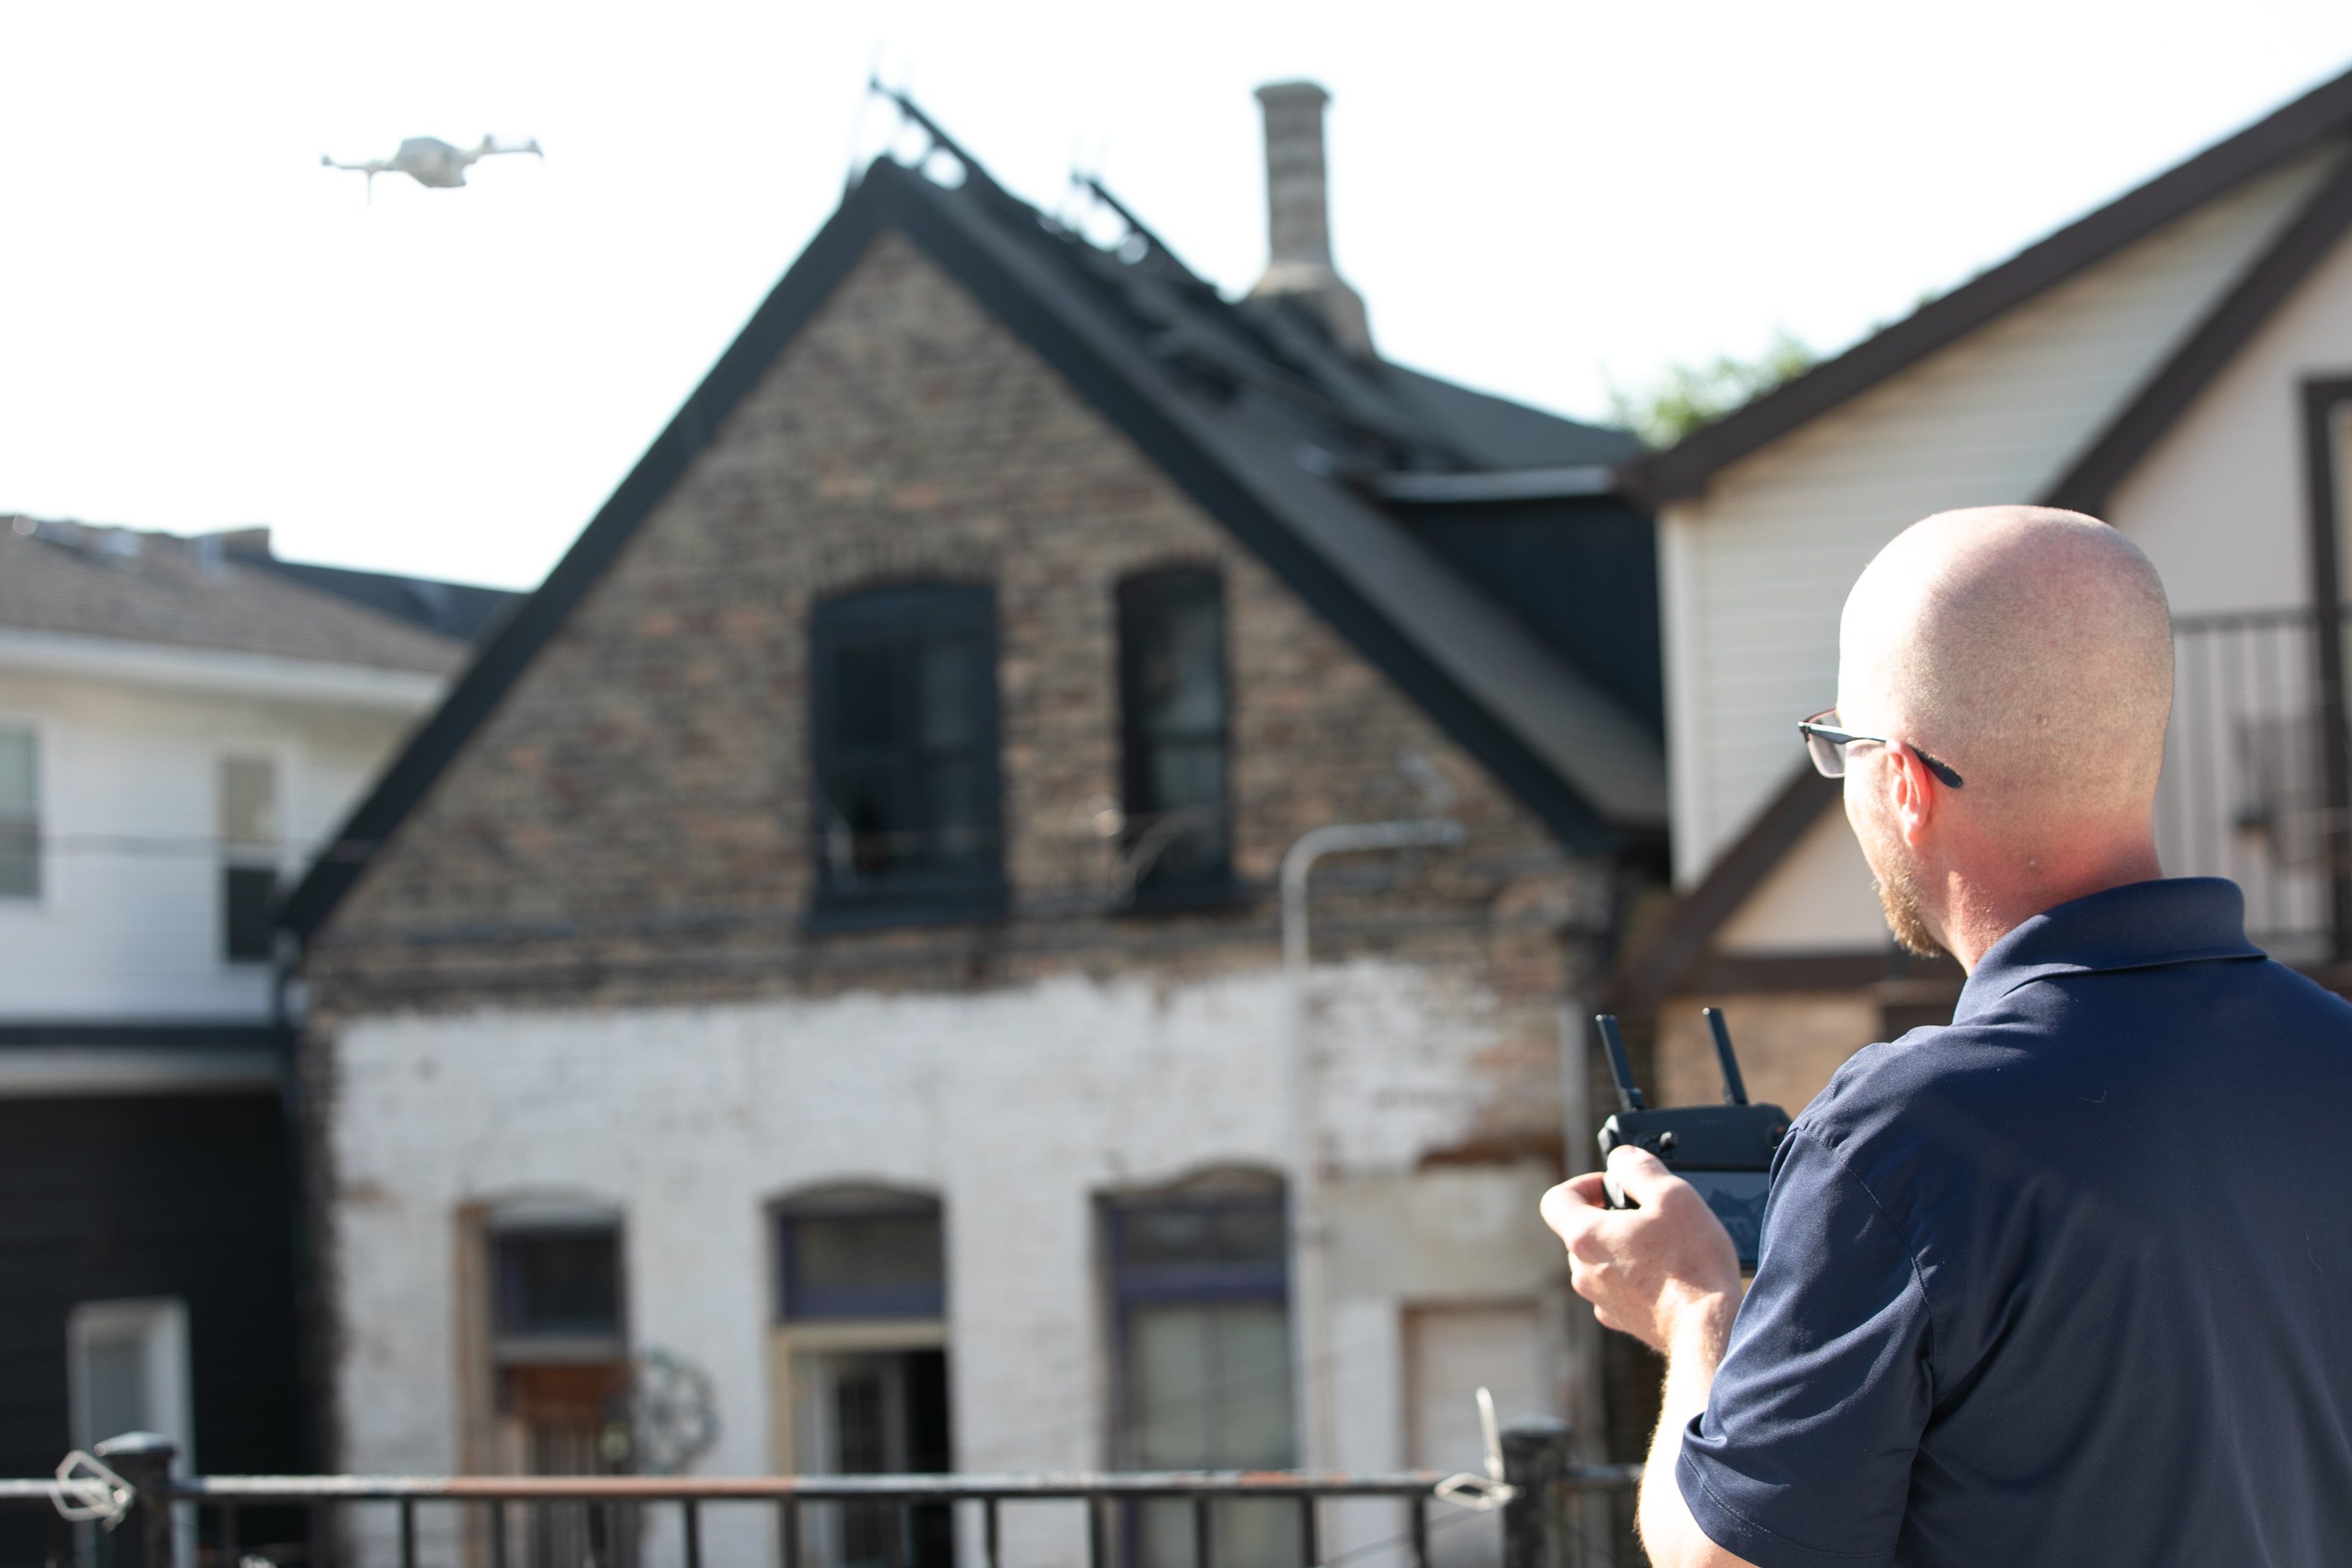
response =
{"points": [[431, 162]]}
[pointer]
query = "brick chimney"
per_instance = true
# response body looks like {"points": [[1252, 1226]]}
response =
{"points": [[1298, 217]]}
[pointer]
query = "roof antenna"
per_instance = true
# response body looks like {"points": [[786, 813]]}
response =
{"points": [[857, 120]]}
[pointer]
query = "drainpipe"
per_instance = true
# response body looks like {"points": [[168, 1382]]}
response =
{"points": [[1309, 1338]]}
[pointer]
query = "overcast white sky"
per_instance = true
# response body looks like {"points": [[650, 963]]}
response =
{"points": [[201, 328]]}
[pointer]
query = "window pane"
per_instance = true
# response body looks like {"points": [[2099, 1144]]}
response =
{"points": [[906, 759], [1182, 673], [114, 1370], [247, 893], [560, 1283], [20, 861], [960, 833], [1209, 1385], [1172, 659], [248, 801], [947, 687], [863, 710], [19, 776], [1162, 1237], [863, 1265]]}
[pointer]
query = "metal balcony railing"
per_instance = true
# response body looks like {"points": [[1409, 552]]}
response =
{"points": [[138, 1515], [2255, 775]]}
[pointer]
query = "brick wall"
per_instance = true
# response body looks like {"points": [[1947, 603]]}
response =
{"points": [[631, 826]]}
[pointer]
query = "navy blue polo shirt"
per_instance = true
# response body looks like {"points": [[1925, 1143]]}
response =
{"points": [[2068, 1282]]}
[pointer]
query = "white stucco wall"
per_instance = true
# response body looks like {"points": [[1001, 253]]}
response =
{"points": [[1018, 1107]]}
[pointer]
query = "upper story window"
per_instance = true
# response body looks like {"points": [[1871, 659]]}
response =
{"points": [[248, 830], [904, 710], [1172, 698], [20, 814]]}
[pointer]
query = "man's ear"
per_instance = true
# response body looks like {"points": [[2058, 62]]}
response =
{"points": [[1912, 790]]}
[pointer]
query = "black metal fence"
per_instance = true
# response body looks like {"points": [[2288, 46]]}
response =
{"points": [[1554, 1513], [2248, 792]]}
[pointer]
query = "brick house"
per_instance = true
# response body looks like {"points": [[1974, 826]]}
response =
{"points": [[830, 936]]}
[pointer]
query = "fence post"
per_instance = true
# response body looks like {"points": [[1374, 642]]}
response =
{"points": [[1535, 1460], [143, 1539]]}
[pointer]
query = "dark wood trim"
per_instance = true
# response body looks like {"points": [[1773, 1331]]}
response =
{"points": [[1660, 964], [2226, 329], [1684, 469], [1738, 973], [144, 1033], [2321, 398]]}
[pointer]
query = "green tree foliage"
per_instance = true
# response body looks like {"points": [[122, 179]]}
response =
{"points": [[1688, 396]]}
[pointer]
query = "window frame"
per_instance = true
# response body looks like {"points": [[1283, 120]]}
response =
{"points": [[901, 612], [1150, 893]]}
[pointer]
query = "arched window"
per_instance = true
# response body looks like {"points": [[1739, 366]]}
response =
{"points": [[1173, 708], [903, 709]]}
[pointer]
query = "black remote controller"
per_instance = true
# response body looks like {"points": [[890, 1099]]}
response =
{"points": [[1725, 1151]]}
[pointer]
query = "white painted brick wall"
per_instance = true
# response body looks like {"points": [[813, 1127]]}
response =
{"points": [[1017, 1107]]}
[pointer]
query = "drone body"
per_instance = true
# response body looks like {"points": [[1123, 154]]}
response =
{"points": [[431, 162]]}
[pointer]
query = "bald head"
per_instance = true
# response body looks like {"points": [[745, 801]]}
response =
{"points": [[2030, 650]]}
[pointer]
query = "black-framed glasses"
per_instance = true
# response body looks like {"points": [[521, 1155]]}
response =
{"points": [[1826, 739]]}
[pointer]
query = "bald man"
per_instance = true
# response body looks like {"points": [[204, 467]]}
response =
{"points": [[2070, 1280]]}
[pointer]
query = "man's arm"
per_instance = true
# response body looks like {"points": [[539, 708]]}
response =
{"points": [[1667, 1274]]}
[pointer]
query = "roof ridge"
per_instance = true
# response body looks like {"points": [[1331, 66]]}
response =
{"points": [[1684, 469]]}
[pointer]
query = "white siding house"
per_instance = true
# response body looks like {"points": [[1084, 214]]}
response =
{"points": [[183, 724], [2159, 364]]}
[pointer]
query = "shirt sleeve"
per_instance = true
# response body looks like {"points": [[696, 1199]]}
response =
{"points": [[1802, 1458]]}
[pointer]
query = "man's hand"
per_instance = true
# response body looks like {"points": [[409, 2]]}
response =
{"points": [[1667, 1274], [1658, 1272]]}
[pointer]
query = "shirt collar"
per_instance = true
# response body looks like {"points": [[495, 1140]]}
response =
{"points": [[2180, 920]]}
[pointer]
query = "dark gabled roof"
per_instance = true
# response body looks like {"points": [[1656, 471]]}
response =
{"points": [[465, 611], [1684, 469], [1248, 407], [129, 585]]}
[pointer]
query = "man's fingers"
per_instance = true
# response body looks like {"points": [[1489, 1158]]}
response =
{"points": [[1641, 1173], [1567, 1206]]}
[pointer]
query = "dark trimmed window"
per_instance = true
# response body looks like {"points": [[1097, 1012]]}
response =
{"points": [[1172, 702], [904, 708], [856, 1254]]}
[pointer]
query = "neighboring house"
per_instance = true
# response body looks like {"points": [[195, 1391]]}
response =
{"points": [[2179, 363], [181, 722], [829, 936]]}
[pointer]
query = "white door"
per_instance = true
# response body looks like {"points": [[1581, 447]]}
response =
{"points": [[126, 1370], [1451, 1353]]}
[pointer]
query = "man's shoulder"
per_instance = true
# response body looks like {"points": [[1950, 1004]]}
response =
{"points": [[1933, 1090]]}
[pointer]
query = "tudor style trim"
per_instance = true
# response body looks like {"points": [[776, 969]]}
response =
{"points": [[890, 196], [2091, 479], [1684, 469], [1660, 963]]}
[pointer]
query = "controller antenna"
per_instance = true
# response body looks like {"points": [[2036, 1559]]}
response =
{"points": [[1620, 1065], [1735, 1089]]}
